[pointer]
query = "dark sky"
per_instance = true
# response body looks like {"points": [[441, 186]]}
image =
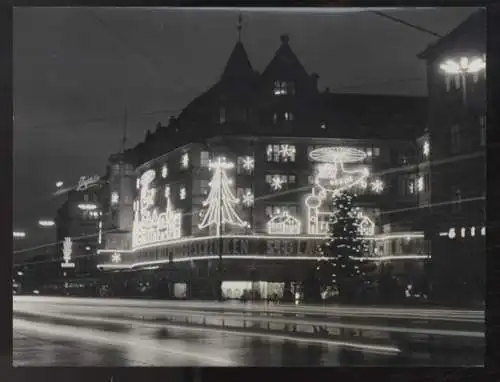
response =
{"points": [[76, 68]]}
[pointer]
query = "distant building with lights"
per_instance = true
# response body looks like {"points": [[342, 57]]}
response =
{"points": [[456, 162], [291, 145]]}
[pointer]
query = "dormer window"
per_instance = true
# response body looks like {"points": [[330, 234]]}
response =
{"points": [[282, 88]]}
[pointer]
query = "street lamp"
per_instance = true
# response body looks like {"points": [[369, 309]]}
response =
{"points": [[462, 66], [46, 223], [59, 183]]}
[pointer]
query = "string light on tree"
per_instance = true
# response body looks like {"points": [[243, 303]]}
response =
{"points": [[377, 186], [248, 163], [248, 199], [221, 200]]}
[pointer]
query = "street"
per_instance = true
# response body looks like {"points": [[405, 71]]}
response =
{"points": [[86, 332]]}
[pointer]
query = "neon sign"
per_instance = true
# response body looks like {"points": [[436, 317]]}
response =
{"points": [[86, 182]]}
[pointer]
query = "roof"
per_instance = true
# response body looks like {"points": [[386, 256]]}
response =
{"points": [[238, 65], [285, 61], [474, 27]]}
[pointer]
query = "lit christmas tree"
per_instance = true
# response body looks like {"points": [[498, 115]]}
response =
{"points": [[221, 200], [342, 267]]}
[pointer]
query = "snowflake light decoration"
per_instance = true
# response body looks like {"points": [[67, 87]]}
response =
{"points": [[288, 151], [248, 163], [377, 186], [276, 183], [248, 199], [116, 258]]}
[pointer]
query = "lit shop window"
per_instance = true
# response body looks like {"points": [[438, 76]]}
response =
{"points": [[288, 116], [182, 193], [204, 158], [282, 88], [245, 164], [281, 153], [278, 209], [278, 182], [114, 197]]}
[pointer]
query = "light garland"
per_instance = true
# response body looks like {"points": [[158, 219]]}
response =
{"points": [[220, 200], [283, 224]]}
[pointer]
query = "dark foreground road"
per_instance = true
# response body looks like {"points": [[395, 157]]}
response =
{"points": [[48, 335]]}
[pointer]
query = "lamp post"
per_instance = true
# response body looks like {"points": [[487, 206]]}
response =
{"points": [[463, 66]]}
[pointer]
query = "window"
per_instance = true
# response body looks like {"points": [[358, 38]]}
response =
{"points": [[185, 160], [475, 77], [310, 179], [279, 182], [275, 118], [272, 210], [282, 88], [245, 165], [240, 192], [288, 116], [222, 115], [85, 197], [280, 153], [204, 187], [114, 197], [482, 127], [204, 159], [376, 151], [182, 193], [455, 139]]}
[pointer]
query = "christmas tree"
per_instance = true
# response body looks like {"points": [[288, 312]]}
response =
{"points": [[342, 266], [220, 200]]}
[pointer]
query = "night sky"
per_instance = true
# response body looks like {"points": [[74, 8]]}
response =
{"points": [[75, 69]]}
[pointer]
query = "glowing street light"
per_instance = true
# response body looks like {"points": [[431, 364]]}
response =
{"points": [[59, 183], [19, 234], [46, 223], [462, 66]]}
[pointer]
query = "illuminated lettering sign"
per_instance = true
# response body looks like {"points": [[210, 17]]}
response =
{"points": [[87, 182]]}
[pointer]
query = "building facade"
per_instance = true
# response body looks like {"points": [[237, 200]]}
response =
{"points": [[291, 146], [456, 77]]}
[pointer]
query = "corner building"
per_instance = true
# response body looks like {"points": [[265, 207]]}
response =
{"points": [[291, 146]]}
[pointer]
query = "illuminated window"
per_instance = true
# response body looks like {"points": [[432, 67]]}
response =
{"points": [[185, 160], [455, 139], [182, 193], [275, 118], [281, 153], [272, 210], [204, 187], [204, 158], [114, 197], [376, 151], [457, 81], [475, 77], [282, 88], [482, 130], [447, 81], [288, 116], [279, 182]]}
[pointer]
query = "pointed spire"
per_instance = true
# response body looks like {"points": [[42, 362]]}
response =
{"points": [[239, 26]]}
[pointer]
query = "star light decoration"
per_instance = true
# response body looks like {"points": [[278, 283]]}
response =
{"points": [[248, 199], [276, 183], [377, 186], [221, 200], [248, 163], [116, 258]]}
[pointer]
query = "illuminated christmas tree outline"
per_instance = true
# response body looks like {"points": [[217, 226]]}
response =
{"points": [[220, 200], [67, 250]]}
